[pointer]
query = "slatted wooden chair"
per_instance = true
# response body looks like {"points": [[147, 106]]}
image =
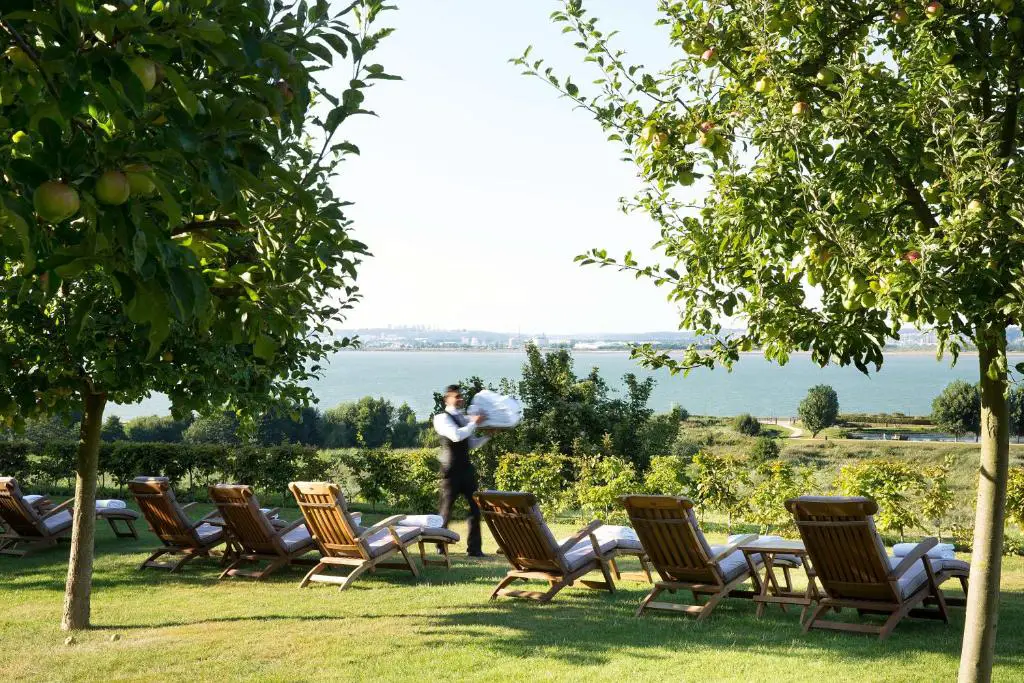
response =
{"points": [[849, 560], [343, 543], [168, 520], [29, 529], [254, 536], [518, 526], [676, 547]]}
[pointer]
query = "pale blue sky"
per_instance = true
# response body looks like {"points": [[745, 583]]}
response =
{"points": [[475, 167]]}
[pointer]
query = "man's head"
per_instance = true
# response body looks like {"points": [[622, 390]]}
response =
{"points": [[453, 396]]}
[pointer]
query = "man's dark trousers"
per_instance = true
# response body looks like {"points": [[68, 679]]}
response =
{"points": [[462, 483]]}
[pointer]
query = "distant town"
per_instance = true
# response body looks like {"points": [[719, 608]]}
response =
{"points": [[401, 338]]}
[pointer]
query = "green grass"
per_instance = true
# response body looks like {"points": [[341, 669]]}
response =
{"points": [[389, 626]]}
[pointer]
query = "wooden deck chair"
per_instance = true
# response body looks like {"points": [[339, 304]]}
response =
{"points": [[849, 559], [255, 537], [676, 547], [518, 526], [168, 520], [27, 528], [343, 543]]}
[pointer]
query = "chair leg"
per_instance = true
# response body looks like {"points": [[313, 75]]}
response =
{"points": [[423, 554], [615, 569], [408, 561], [312, 572], [608, 576], [711, 604], [650, 596], [815, 615], [231, 567], [501, 584], [647, 569], [145, 563], [556, 586], [353, 575]]}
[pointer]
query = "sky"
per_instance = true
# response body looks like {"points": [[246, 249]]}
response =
{"points": [[476, 185]]}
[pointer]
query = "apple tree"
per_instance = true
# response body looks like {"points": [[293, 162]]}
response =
{"points": [[826, 173], [167, 221]]}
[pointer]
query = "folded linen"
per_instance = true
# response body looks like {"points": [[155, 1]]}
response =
{"points": [[502, 412], [111, 504], [423, 521], [32, 499], [942, 551]]}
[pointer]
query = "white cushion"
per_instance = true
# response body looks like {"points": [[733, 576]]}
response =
{"points": [[623, 536], [943, 551], [58, 522], [32, 498], [733, 564], [583, 552], [297, 538], [111, 504], [423, 521], [382, 541], [437, 533], [356, 517], [208, 533]]}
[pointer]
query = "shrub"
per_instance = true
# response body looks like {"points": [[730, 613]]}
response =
{"points": [[819, 409], [113, 429], [894, 485], [718, 483], [366, 423], [14, 460], [221, 428], [936, 494], [1015, 495], [546, 475], [600, 483], [660, 431], [51, 429], [418, 492], [764, 449], [155, 428], [405, 432], [746, 424], [668, 476], [376, 472]]}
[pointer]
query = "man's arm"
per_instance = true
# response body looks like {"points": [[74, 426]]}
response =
{"points": [[446, 427]]}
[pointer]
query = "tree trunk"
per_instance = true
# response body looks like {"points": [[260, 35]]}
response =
{"points": [[983, 600], [83, 530]]}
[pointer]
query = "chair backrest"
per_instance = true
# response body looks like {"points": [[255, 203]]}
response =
{"points": [[846, 551], [163, 513], [326, 514], [248, 526], [516, 522], [670, 535], [19, 516]]}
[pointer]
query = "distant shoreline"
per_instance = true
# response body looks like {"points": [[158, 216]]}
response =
{"points": [[901, 352]]}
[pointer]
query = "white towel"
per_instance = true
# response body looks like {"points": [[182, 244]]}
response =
{"points": [[503, 412], [32, 499], [111, 504], [422, 521], [942, 551]]}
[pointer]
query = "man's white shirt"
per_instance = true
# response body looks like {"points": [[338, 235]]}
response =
{"points": [[445, 425]]}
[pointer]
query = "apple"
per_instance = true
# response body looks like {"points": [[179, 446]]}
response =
{"points": [[20, 58], [825, 77], [707, 138], [851, 304], [140, 179], [19, 136], [801, 108], [934, 10], [54, 201], [900, 17], [145, 70], [690, 135], [946, 55], [868, 299], [808, 13], [659, 140], [974, 206], [709, 56], [694, 47], [112, 188], [762, 85], [706, 126], [167, 357], [286, 91], [827, 149], [912, 255]]}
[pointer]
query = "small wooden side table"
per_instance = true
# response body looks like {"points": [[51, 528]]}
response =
{"points": [[771, 592]]}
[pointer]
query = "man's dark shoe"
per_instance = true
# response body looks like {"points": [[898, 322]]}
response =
{"points": [[440, 549], [477, 553]]}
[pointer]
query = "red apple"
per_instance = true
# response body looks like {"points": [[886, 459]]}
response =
{"points": [[54, 201], [912, 255], [801, 108], [900, 17], [710, 56], [934, 10]]}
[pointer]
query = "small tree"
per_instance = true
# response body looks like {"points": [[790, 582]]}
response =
{"points": [[668, 475], [218, 428], [718, 484], [546, 475], [894, 484], [819, 409], [746, 424], [156, 429], [957, 409], [936, 494], [778, 481], [113, 429], [1015, 495], [405, 432], [1016, 411], [600, 483], [764, 449]]}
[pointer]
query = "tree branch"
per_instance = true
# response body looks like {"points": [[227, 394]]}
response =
{"points": [[197, 226], [28, 50], [1009, 133]]}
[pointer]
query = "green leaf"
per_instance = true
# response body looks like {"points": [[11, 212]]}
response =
{"points": [[186, 97], [265, 348]]}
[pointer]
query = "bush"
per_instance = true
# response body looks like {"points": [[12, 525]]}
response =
{"points": [[764, 449], [221, 428], [546, 475], [668, 476], [418, 492], [376, 472], [936, 494], [718, 483], [51, 429], [367, 423], [156, 429], [746, 424], [957, 409], [14, 460], [405, 432], [661, 430], [893, 484], [1015, 495], [600, 483], [819, 409], [779, 481], [113, 429]]}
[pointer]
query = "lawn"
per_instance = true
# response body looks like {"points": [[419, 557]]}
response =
{"points": [[388, 626]]}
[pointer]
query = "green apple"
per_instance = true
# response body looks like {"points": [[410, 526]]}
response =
{"points": [[1015, 24], [694, 47], [140, 179], [112, 188], [851, 304], [707, 138], [145, 70], [974, 206], [945, 55], [55, 202], [801, 108], [762, 85], [825, 77], [868, 299], [20, 58]]}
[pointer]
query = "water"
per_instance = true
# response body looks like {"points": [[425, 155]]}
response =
{"points": [[913, 436], [907, 382]]}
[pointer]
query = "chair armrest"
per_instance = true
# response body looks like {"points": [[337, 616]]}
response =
{"points": [[731, 548], [382, 524], [60, 508], [205, 518], [579, 536], [919, 551], [271, 512], [293, 525], [186, 506]]}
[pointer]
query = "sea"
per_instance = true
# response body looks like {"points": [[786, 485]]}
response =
{"points": [[906, 383]]}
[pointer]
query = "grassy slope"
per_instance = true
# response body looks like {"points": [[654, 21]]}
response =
{"points": [[390, 627]]}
